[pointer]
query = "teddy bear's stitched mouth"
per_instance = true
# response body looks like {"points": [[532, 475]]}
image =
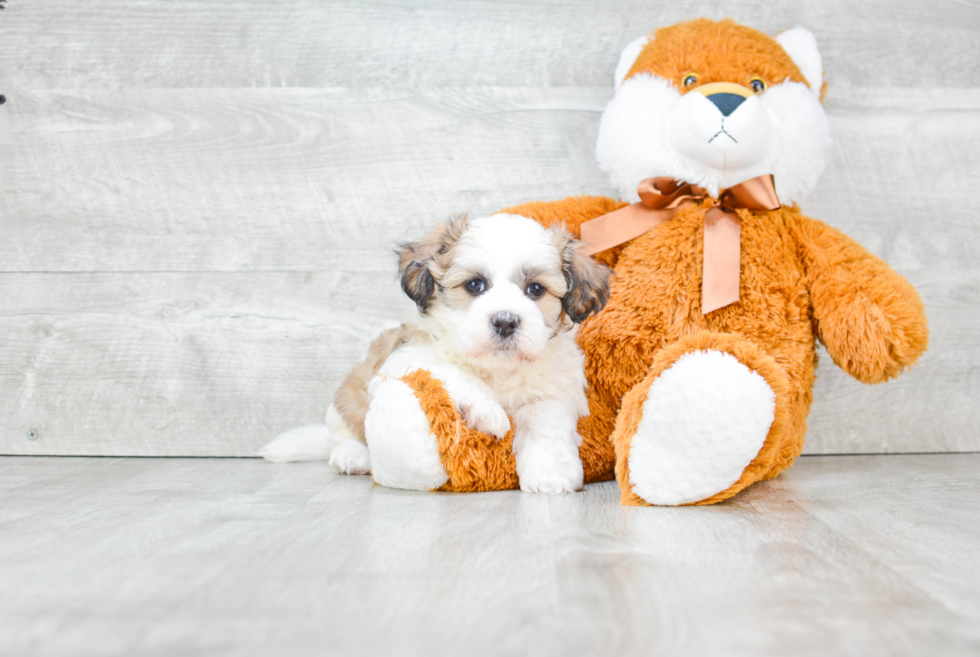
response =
{"points": [[722, 132]]}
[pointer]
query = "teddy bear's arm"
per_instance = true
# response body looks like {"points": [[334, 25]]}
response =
{"points": [[573, 212], [870, 318]]}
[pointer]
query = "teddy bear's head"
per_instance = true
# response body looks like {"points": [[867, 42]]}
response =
{"points": [[714, 104]]}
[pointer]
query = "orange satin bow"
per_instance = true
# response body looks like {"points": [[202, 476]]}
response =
{"points": [[661, 198]]}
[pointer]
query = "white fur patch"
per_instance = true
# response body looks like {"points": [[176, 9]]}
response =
{"points": [[802, 132], [404, 452], [704, 420], [632, 143], [801, 46], [351, 457]]}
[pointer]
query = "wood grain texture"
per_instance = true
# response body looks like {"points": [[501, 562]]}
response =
{"points": [[170, 364], [101, 44], [297, 180], [207, 364], [328, 180], [262, 197], [198, 200], [840, 555]]}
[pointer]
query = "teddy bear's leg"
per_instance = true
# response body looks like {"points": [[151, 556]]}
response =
{"points": [[597, 453], [418, 440], [404, 450], [710, 418]]}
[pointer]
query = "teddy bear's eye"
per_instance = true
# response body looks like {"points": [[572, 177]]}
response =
{"points": [[758, 85], [690, 80]]}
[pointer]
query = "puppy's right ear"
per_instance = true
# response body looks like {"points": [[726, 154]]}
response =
{"points": [[417, 261], [588, 280], [417, 281]]}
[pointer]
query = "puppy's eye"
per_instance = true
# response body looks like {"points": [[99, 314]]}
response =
{"points": [[476, 286], [690, 80], [757, 85], [534, 290]]}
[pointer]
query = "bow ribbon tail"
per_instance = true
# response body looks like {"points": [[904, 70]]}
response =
{"points": [[722, 259], [620, 226]]}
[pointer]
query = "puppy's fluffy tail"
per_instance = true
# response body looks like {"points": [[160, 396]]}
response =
{"points": [[312, 442], [307, 443], [317, 442]]}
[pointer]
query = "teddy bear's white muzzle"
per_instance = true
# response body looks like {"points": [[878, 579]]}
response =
{"points": [[699, 129]]}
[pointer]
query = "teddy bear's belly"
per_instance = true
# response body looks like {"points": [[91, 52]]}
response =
{"points": [[655, 300]]}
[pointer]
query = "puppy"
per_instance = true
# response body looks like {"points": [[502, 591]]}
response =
{"points": [[498, 300]]}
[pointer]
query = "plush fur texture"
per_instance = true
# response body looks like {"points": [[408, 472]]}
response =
{"points": [[656, 126], [800, 280], [702, 422], [473, 460], [406, 453]]}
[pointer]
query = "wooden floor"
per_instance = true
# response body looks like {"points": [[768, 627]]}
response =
{"points": [[856, 555]]}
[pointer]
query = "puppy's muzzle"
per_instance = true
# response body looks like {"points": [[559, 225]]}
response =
{"points": [[504, 324]]}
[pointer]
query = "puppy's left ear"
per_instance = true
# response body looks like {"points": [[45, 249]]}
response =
{"points": [[417, 260], [588, 280]]}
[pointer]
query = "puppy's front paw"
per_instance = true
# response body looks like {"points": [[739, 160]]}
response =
{"points": [[486, 415], [552, 481], [550, 468], [351, 457]]}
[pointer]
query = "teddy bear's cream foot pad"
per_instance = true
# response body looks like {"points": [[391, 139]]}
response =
{"points": [[704, 420], [404, 451]]}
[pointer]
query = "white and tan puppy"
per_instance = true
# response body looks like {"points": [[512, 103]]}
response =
{"points": [[498, 300]]}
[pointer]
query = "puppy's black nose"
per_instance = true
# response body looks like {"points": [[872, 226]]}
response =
{"points": [[504, 324]]}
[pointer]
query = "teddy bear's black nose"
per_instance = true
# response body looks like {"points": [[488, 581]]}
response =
{"points": [[725, 102]]}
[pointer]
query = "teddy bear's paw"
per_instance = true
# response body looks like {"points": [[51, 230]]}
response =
{"points": [[404, 451], [703, 421], [549, 466], [351, 457]]}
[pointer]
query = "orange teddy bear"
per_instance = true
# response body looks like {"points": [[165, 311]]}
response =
{"points": [[700, 369]]}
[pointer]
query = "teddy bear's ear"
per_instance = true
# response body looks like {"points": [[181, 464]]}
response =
{"points": [[628, 56], [801, 46]]}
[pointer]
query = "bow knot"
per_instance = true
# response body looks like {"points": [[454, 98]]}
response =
{"points": [[668, 193], [660, 198]]}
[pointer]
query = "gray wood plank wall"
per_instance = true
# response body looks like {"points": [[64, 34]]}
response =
{"points": [[198, 200]]}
